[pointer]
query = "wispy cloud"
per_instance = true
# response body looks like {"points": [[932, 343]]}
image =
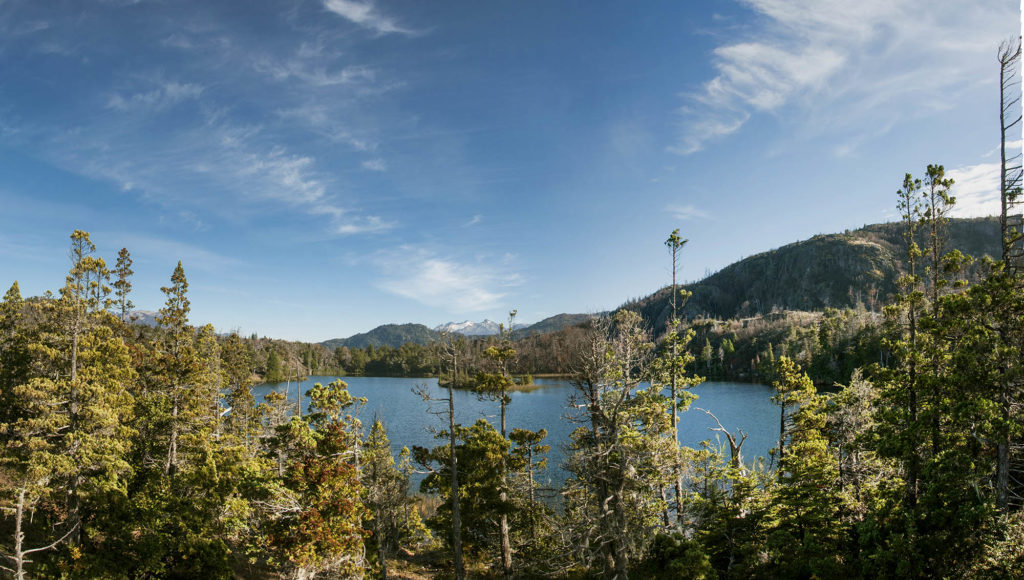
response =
{"points": [[318, 118], [686, 212], [442, 282], [375, 165], [163, 97], [875, 59], [474, 220], [313, 73], [365, 14], [215, 168], [362, 225], [976, 189]]}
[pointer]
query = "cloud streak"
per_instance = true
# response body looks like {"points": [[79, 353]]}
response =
{"points": [[442, 282], [163, 97], [686, 212], [976, 189], [375, 165], [365, 14], [837, 55]]}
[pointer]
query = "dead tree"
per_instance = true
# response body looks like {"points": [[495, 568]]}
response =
{"points": [[1010, 456]]}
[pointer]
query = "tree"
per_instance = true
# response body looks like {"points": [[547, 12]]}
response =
{"points": [[480, 451], [674, 362], [451, 351], [805, 535], [236, 363], [901, 416], [180, 369], [621, 455], [392, 517], [1011, 394], [316, 524], [123, 285], [1011, 171], [274, 373], [792, 390], [496, 385]]}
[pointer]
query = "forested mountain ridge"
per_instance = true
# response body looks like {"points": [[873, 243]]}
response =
{"points": [[394, 335], [843, 270]]}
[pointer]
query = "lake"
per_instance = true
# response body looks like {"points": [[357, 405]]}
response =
{"points": [[737, 405]]}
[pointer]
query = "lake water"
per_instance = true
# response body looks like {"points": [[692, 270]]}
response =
{"points": [[409, 422]]}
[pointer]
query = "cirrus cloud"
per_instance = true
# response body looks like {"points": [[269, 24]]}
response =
{"points": [[868, 64]]}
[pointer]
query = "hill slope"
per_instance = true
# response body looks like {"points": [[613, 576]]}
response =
{"points": [[551, 324], [837, 270], [394, 335]]}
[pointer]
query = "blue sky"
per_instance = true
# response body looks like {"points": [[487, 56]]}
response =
{"points": [[325, 166]]}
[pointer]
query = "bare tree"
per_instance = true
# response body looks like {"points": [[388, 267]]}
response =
{"points": [[621, 455], [451, 351], [1010, 164], [1009, 56]]}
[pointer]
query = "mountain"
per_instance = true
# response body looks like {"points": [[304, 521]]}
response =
{"points": [[394, 335], [832, 270], [146, 317], [552, 324], [469, 328]]}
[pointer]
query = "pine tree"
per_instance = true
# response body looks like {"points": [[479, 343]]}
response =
{"points": [[123, 285], [496, 385], [392, 517], [805, 535], [318, 526]]}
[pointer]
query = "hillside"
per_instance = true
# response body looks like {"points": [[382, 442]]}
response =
{"points": [[833, 270], [394, 335], [551, 324]]}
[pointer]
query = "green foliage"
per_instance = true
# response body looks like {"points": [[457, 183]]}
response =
{"points": [[118, 458], [274, 374], [672, 556], [480, 451]]}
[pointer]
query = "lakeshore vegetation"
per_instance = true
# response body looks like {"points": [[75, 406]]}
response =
{"points": [[129, 451]]}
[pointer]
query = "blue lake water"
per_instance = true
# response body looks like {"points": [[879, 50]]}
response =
{"points": [[409, 421]]}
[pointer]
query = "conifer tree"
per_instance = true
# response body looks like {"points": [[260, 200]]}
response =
{"points": [[805, 535], [496, 385], [123, 285], [392, 518], [316, 525]]}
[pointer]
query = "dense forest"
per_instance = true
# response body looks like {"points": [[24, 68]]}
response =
{"points": [[131, 451]]}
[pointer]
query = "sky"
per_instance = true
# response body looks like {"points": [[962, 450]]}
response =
{"points": [[321, 167]]}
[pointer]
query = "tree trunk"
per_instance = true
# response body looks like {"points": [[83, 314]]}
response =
{"points": [[172, 450], [460, 567], [19, 537], [1003, 458], [506, 541]]}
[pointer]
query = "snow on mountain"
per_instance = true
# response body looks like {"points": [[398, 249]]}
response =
{"points": [[470, 328]]}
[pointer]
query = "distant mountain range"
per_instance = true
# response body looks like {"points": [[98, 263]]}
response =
{"points": [[145, 317], [469, 328], [858, 267], [396, 335]]}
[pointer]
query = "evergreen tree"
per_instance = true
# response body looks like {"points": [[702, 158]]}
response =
{"points": [[393, 520], [806, 537], [316, 524], [496, 385], [123, 285]]}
